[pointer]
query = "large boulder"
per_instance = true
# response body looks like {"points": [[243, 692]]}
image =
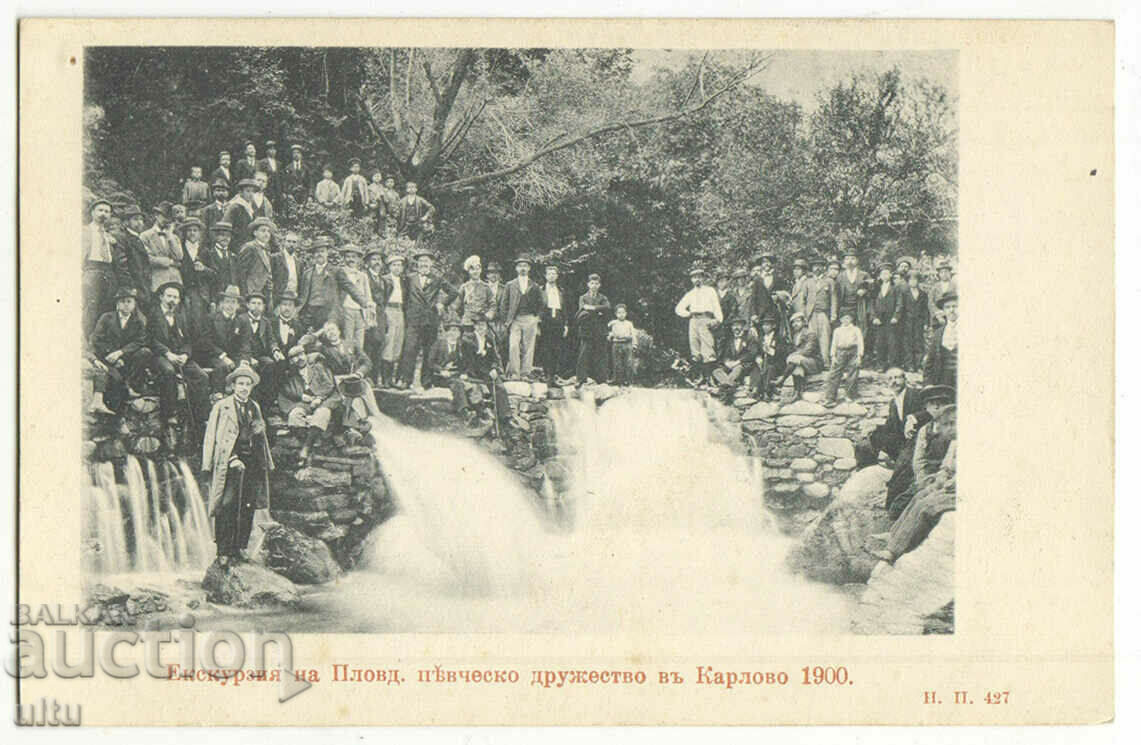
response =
{"points": [[245, 585], [298, 557], [912, 596], [832, 546], [762, 410]]}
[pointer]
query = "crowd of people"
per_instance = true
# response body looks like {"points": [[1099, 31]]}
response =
{"points": [[756, 329]]}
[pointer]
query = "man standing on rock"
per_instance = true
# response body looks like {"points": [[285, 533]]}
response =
{"points": [[237, 461], [703, 309]]}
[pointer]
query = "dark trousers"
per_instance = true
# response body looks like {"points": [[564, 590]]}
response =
{"points": [[98, 294], [884, 343], [418, 341], [549, 350], [313, 317], [234, 518], [131, 374], [218, 371], [623, 354], [464, 396], [868, 450], [846, 370], [197, 389], [265, 392], [913, 345], [592, 360]]}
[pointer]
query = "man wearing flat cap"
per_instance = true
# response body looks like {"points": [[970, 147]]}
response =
{"points": [[702, 308], [236, 461], [253, 267], [240, 211], [164, 249]]}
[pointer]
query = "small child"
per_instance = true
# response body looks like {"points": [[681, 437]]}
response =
{"points": [[847, 354], [327, 192], [622, 346], [354, 192]]}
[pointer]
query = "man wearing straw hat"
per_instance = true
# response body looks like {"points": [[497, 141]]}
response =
{"points": [[703, 309], [253, 266], [237, 461]]}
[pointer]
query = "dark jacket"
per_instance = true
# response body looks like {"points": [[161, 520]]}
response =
{"points": [[279, 270], [290, 340], [228, 177], [164, 338], [243, 169], [321, 385], [895, 424], [339, 358], [764, 302], [263, 342], [327, 289], [915, 310], [211, 214], [240, 218], [515, 298], [297, 182], [420, 302], [110, 337], [254, 271], [231, 336], [135, 265], [591, 324], [476, 365], [199, 282], [941, 367], [888, 307], [746, 354], [224, 274], [439, 360]]}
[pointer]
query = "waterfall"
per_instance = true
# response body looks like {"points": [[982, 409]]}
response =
{"points": [[666, 532], [150, 517]]}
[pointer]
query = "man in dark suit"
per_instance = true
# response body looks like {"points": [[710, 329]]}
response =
{"points": [[240, 211], [271, 167], [915, 319], [591, 329], [884, 319], [324, 287], [221, 259], [497, 313], [265, 354], [216, 210], [729, 308], [247, 166], [941, 367], [852, 290], [223, 171], [905, 415], [172, 343], [297, 181], [136, 263], [765, 287], [226, 339], [442, 368], [286, 269], [285, 326], [374, 335], [554, 325], [428, 295], [121, 342], [197, 273], [255, 275], [737, 359], [480, 365], [307, 396]]}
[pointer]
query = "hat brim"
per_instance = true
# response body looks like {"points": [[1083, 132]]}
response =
{"points": [[243, 372]]}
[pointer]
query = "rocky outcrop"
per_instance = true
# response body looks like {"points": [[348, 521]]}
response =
{"points": [[246, 585], [832, 546], [914, 595], [297, 557]]}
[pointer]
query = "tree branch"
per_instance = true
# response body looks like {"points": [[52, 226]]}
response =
{"points": [[736, 80]]}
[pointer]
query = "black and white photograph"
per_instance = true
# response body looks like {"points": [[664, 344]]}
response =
{"points": [[530, 340]]}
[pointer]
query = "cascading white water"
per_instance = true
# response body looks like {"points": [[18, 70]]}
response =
{"points": [[155, 521], [669, 534]]}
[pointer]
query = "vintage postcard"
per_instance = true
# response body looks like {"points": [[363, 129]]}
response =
{"points": [[383, 372]]}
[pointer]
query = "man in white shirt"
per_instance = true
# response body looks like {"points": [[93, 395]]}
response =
{"points": [[356, 318], [394, 284], [284, 268], [553, 326], [703, 309]]}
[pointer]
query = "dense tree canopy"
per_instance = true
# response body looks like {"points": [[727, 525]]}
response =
{"points": [[559, 152]]}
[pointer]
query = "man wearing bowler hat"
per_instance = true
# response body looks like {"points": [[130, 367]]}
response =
{"points": [[136, 272], [428, 295], [172, 339], [237, 461], [524, 304], [121, 342]]}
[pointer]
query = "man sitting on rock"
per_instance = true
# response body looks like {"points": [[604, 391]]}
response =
{"points": [[906, 414], [481, 372], [906, 478], [935, 496], [738, 357], [804, 360], [308, 396], [349, 366], [120, 342], [771, 354]]}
